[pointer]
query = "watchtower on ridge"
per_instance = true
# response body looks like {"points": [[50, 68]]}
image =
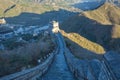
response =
{"points": [[54, 26], [2, 21]]}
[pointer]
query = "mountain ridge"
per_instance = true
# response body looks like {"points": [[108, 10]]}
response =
{"points": [[108, 12], [101, 26]]}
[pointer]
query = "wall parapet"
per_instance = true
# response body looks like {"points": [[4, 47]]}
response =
{"points": [[83, 69], [94, 69], [110, 65]]}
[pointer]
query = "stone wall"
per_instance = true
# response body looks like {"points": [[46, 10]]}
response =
{"points": [[110, 67], [33, 73], [105, 73], [83, 69], [94, 69]]}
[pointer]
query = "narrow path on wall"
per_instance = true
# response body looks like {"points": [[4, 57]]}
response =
{"points": [[59, 69]]}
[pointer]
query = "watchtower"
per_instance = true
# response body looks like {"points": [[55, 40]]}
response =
{"points": [[54, 27], [2, 21]]}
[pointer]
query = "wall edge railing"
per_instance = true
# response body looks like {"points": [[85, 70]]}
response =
{"points": [[33, 72]]}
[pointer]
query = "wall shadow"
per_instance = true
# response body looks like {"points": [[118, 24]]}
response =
{"points": [[89, 29], [115, 44], [11, 7], [27, 18], [93, 31]]}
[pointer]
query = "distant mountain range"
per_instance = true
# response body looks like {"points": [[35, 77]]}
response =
{"points": [[52, 1], [101, 26], [116, 2], [66, 1], [61, 1], [89, 5]]}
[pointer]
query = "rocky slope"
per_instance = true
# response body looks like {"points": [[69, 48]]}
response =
{"points": [[106, 14], [21, 6]]}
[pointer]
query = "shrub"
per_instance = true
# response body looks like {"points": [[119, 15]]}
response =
{"points": [[15, 60]]}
